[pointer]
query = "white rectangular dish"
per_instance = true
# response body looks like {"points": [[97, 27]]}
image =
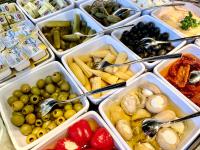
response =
{"points": [[23, 72], [51, 140], [68, 16], [163, 28], [123, 3], [192, 49], [36, 20], [17, 138], [93, 45], [177, 99], [78, 2], [191, 7]]}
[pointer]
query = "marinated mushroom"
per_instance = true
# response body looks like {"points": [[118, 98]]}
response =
{"points": [[140, 114], [156, 103], [149, 89], [144, 146], [124, 128], [129, 104], [178, 127], [166, 115], [167, 138]]}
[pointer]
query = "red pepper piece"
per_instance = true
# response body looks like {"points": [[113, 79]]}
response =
{"points": [[67, 144], [102, 140], [80, 132]]}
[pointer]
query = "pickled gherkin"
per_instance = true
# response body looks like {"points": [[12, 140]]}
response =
{"points": [[60, 34]]}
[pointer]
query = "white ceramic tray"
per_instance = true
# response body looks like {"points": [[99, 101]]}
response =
{"points": [[51, 140], [191, 7], [124, 3], [78, 2], [23, 72], [36, 20], [192, 125], [192, 49], [94, 45], [163, 28], [68, 16], [19, 141]]}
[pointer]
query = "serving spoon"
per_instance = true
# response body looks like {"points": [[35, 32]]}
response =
{"points": [[123, 10], [194, 76], [49, 103], [151, 126], [148, 42], [105, 64]]}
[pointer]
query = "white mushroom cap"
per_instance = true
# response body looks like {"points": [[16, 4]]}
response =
{"points": [[156, 103], [149, 89], [129, 104], [166, 115], [167, 139], [178, 127]]}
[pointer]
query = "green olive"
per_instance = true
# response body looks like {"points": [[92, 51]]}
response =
{"points": [[42, 91], [26, 129], [38, 122], [35, 90], [12, 99], [41, 83], [63, 97], [60, 120], [52, 125], [32, 126], [34, 99], [30, 118], [55, 96], [25, 88], [56, 77], [46, 117], [46, 95], [24, 98], [27, 109], [68, 106], [65, 86], [57, 90], [17, 119], [50, 88], [35, 130], [48, 80], [60, 82], [73, 95], [41, 132], [78, 106], [69, 113], [17, 105], [46, 124], [57, 113], [30, 138], [17, 93]]}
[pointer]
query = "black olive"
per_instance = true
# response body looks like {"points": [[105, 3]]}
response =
{"points": [[162, 52], [134, 29], [156, 31], [139, 50], [150, 25], [125, 33], [140, 25], [164, 36], [157, 47]]}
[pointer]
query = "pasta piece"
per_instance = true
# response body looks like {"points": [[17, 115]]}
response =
{"points": [[111, 79], [78, 73], [104, 84], [96, 84], [90, 64], [121, 58], [120, 80], [109, 70], [124, 68], [122, 75], [84, 67], [85, 58], [130, 73]]}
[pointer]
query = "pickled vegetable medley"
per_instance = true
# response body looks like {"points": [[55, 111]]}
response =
{"points": [[102, 11], [84, 68], [178, 75], [132, 39], [86, 135], [25, 103], [146, 101], [62, 36]]}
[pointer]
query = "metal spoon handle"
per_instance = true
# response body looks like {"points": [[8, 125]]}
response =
{"points": [[164, 5], [186, 117], [171, 56], [110, 87]]}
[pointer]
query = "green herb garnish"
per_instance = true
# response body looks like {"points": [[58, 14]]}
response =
{"points": [[188, 22]]}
